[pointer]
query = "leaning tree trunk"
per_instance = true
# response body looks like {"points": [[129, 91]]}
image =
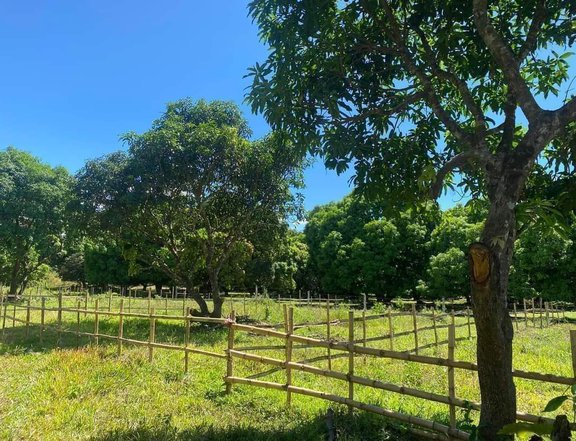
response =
{"points": [[490, 261], [197, 297]]}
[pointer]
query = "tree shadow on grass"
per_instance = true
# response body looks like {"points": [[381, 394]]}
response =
{"points": [[359, 427], [21, 338]]}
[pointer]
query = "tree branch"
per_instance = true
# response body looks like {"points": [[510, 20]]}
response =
{"points": [[506, 61], [467, 98], [409, 99], [455, 162], [531, 41], [395, 35]]}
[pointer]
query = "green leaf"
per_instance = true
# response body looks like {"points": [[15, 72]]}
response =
{"points": [[526, 429], [555, 403]]}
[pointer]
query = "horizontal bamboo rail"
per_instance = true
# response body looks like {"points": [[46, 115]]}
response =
{"points": [[409, 419], [403, 390]]}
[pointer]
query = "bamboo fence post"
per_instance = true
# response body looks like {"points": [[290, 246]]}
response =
{"points": [[289, 332], [78, 323], [59, 317], [4, 319], [541, 314], [328, 333], [391, 328], [468, 323], [28, 317], [573, 350], [186, 340], [121, 327], [515, 316], [364, 322], [96, 322], [434, 325], [149, 299], [415, 324], [85, 304], [525, 313], [42, 312], [350, 358], [451, 382], [151, 336], [229, 358]]}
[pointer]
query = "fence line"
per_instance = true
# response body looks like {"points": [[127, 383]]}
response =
{"points": [[352, 348], [349, 348]]}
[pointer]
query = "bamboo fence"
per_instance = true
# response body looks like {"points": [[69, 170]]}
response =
{"points": [[544, 314]]}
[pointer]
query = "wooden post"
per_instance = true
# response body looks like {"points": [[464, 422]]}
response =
{"points": [[78, 323], [28, 317], [451, 382], [350, 357], [391, 328], [86, 304], [96, 322], [525, 313], [415, 325], [573, 350], [547, 314], [110, 301], [184, 303], [289, 332], [468, 322], [59, 317], [434, 325], [4, 319], [328, 332], [42, 318], [533, 313], [151, 336], [515, 316], [149, 299], [186, 339], [364, 327], [230, 359], [541, 314], [121, 327], [129, 300]]}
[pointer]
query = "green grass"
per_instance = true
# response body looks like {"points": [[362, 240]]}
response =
{"points": [[80, 391]]}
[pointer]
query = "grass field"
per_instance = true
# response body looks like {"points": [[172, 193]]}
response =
{"points": [[80, 391]]}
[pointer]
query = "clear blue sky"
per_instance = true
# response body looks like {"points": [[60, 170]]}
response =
{"points": [[77, 74]]}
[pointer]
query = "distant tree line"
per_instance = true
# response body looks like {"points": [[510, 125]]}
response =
{"points": [[194, 202]]}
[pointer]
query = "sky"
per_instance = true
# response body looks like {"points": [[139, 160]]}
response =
{"points": [[77, 74]]}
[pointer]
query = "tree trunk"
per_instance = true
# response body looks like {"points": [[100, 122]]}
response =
{"points": [[489, 297], [198, 299], [216, 297], [14, 279]]}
